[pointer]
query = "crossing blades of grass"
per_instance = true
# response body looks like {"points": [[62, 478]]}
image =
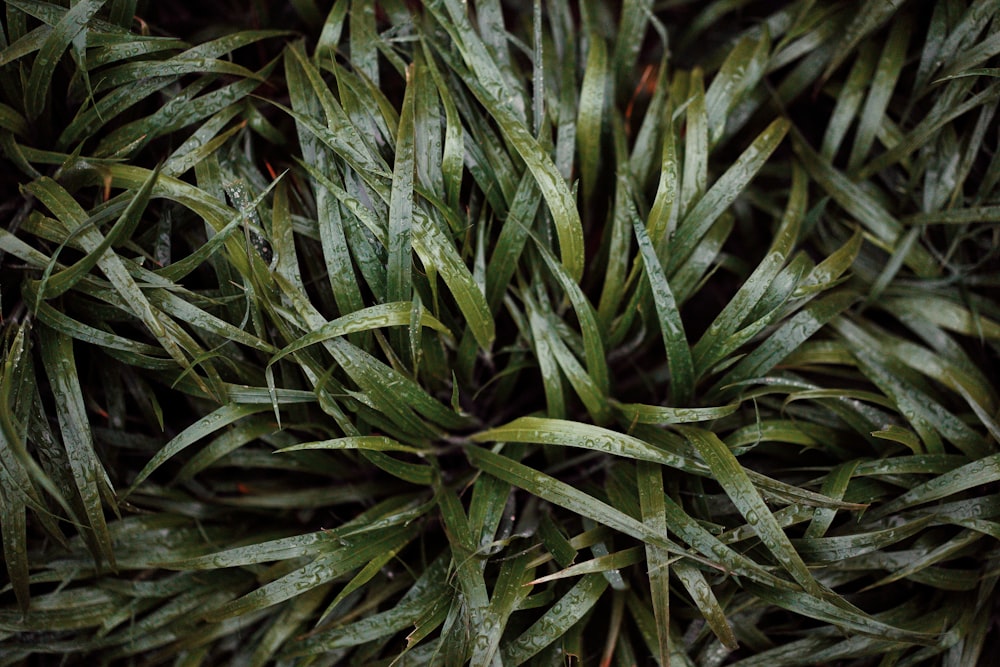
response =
{"points": [[447, 332], [744, 495], [89, 475]]}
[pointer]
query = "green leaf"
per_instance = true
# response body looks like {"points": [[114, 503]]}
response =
{"points": [[556, 621], [742, 69], [69, 211], [741, 491], [15, 541], [697, 587], [425, 594], [327, 567], [713, 346], [564, 495], [863, 24], [550, 183], [971, 475], [607, 563], [575, 434], [789, 336], [590, 112], [862, 206], [401, 200], [887, 71], [807, 605], [89, 476], [511, 589], [374, 443], [637, 413], [671, 326], [220, 418], [123, 228], [371, 318], [696, 223], [653, 509], [72, 23]]}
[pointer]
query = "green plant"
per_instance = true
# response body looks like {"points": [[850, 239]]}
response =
{"points": [[426, 333]]}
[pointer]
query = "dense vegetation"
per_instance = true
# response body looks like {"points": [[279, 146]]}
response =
{"points": [[500, 333]]}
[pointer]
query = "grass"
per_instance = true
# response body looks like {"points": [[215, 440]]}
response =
{"points": [[403, 333]]}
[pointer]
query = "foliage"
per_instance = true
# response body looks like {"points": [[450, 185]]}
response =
{"points": [[500, 333]]}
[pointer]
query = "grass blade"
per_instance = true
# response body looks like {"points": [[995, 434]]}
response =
{"points": [[671, 326], [89, 475], [731, 476]]}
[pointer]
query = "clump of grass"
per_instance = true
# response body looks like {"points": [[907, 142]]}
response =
{"points": [[384, 333]]}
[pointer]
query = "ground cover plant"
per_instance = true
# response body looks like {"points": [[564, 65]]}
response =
{"points": [[502, 332]]}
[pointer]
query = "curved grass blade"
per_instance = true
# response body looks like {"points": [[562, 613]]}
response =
{"points": [[184, 109], [556, 621], [509, 592], [427, 592], [393, 394], [373, 443], [510, 243], [13, 121], [841, 547], [329, 565], [926, 415], [948, 314], [927, 128], [229, 441], [28, 43], [619, 250], [671, 326], [399, 265], [887, 72], [548, 365], [220, 418], [976, 473], [178, 66], [559, 493], [72, 23], [788, 337], [551, 184], [59, 201], [696, 223], [123, 228], [468, 572], [733, 478], [638, 413], [696, 138], [22, 474], [807, 605], [332, 227], [15, 539], [373, 317], [606, 563], [649, 484], [575, 434], [740, 72], [89, 475], [835, 485], [863, 24], [711, 348], [665, 211], [849, 100], [439, 254], [593, 344], [697, 586], [865, 208], [590, 111]]}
